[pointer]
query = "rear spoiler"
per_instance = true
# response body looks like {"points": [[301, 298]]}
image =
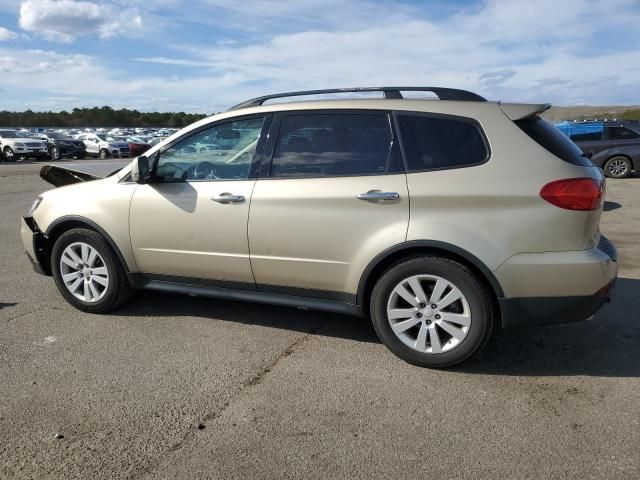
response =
{"points": [[518, 111], [60, 176]]}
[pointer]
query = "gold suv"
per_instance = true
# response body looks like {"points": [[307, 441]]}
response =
{"points": [[442, 218]]}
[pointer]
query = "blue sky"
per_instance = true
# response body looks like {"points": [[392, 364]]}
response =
{"points": [[204, 56]]}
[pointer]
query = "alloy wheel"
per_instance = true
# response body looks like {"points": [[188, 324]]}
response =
{"points": [[618, 167], [8, 154], [84, 272], [429, 314]]}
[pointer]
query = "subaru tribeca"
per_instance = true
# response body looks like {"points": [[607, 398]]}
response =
{"points": [[440, 219]]}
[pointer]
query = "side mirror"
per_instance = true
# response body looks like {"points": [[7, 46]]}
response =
{"points": [[140, 170]]}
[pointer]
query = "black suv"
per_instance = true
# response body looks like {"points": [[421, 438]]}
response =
{"points": [[61, 145], [614, 146]]}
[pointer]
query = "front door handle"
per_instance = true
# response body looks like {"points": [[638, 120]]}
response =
{"points": [[227, 198], [378, 196]]}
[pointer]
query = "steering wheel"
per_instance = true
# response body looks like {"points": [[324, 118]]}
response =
{"points": [[202, 171]]}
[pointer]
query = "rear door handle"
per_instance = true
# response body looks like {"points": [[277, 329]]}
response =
{"points": [[227, 198], [377, 196]]}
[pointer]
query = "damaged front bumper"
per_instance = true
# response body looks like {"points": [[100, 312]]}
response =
{"points": [[34, 243]]}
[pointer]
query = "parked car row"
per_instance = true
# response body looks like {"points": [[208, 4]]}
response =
{"points": [[59, 144]]}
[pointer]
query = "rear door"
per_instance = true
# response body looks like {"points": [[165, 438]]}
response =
{"points": [[333, 197], [91, 144]]}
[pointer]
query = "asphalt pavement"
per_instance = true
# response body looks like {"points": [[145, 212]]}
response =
{"points": [[179, 387]]}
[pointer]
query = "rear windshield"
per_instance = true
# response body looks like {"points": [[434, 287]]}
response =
{"points": [[553, 140]]}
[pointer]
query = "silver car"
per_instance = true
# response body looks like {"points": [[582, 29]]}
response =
{"points": [[442, 220]]}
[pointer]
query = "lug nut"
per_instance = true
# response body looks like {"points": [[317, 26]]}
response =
{"points": [[422, 305], [428, 322], [434, 306], [438, 317], [419, 315]]}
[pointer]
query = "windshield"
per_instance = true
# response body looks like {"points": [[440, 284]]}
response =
{"points": [[107, 138], [59, 136], [8, 134]]}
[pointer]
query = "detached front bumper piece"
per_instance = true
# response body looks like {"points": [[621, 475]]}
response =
{"points": [[34, 245]]}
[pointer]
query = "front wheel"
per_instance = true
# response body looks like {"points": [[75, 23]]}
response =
{"points": [[431, 311], [104, 153], [617, 167], [88, 273], [9, 154], [54, 153]]}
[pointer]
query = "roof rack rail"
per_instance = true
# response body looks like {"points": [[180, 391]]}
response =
{"points": [[389, 93]]}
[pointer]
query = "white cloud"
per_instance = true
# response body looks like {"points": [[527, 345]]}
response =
{"points": [[503, 49], [6, 34], [64, 20]]}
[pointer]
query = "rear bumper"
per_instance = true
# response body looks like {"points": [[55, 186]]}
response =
{"points": [[32, 154], [522, 312], [566, 286]]}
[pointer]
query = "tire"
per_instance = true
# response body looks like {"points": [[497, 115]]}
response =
{"points": [[9, 154], [475, 305], [618, 167], [54, 153], [117, 290], [104, 153]]}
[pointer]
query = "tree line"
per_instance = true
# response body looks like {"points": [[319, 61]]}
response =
{"points": [[633, 114], [97, 117]]}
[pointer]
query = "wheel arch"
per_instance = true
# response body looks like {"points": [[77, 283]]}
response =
{"points": [[68, 222], [424, 247]]}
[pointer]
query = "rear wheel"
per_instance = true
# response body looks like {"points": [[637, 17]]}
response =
{"points": [[104, 153], [431, 311], [617, 167], [88, 273]]}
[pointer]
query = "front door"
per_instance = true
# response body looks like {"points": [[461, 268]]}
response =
{"points": [[334, 197], [192, 222]]}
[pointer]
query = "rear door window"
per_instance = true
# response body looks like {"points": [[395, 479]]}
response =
{"points": [[335, 144], [586, 136], [432, 143], [622, 133], [553, 140]]}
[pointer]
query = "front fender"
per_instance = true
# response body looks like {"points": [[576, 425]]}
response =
{"points": [[102, 205]]}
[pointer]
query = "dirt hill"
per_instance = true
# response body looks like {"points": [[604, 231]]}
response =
{"points": [[557, 114]]}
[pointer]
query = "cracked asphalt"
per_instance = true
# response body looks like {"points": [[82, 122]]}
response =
{"points": [[180, 387]]}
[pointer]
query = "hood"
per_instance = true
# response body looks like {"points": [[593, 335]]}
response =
{"points": [[60, 176]]}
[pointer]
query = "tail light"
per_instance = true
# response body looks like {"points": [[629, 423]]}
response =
{"points": [[583, 194]]}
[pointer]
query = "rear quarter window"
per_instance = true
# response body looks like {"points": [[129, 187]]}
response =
{"points": [[553, 140], [436, 143]]}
